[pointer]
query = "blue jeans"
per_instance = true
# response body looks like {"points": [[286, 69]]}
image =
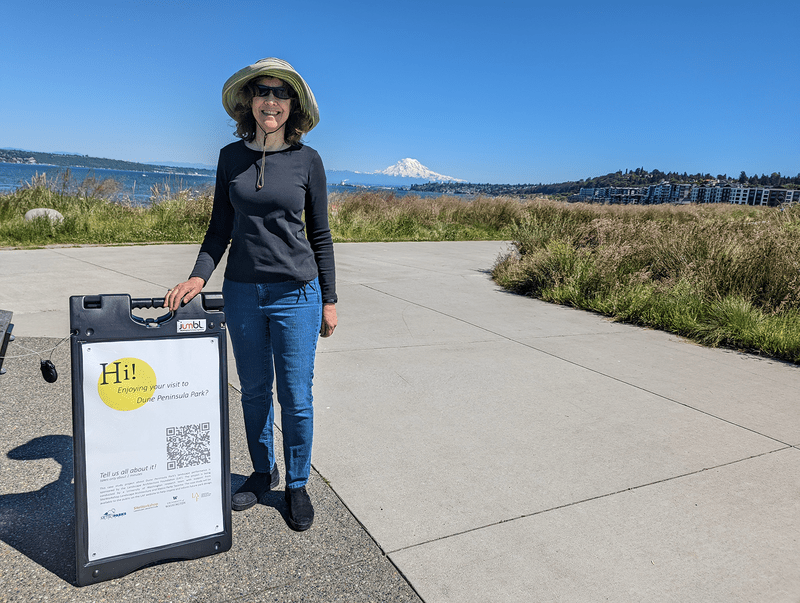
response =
{"points": [[274, 329]]}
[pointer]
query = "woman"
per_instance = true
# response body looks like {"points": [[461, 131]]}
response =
{"points": [[280, 286]]}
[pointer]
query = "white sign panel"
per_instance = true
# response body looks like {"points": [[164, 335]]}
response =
{"points": [[152, 438]]}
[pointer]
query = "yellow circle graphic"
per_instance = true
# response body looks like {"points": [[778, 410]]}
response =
{"points": [[126, 384]]}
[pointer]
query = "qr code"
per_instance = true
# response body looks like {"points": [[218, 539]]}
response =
{"points": [[188, 445]]}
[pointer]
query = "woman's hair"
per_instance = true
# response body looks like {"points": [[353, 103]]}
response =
{"points": [[296, 125]]}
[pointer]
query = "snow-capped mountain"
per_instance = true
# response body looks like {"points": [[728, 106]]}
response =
{"points": [[403, 173], [411, 168]]}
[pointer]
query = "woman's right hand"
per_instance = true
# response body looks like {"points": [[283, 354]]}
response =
{"points": [[183, 293]]}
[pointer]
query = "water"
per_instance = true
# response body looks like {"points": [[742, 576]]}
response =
{"points": [[136, 186], [399, 192]]}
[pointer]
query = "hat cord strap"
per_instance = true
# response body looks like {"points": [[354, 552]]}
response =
{"points": [[260, 182]]}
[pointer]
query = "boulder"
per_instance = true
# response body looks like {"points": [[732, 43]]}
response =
{"points": [[44, 212]]}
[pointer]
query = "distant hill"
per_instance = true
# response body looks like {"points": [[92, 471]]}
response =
{"points": [[84, 161], [630, 178], [409, 173], [197, 166]]}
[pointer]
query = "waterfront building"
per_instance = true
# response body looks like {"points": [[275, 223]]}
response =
{"points": [[770, 197], [710, 194], [667, 193], [618, 195], [689, 193]]}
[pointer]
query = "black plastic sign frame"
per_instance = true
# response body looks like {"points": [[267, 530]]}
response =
{"points": [[5, 335], [150, 433]]}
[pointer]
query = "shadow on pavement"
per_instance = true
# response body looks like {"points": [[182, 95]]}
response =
{"points": [[39, 524]]}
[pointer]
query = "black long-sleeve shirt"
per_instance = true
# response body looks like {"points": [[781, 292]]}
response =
{"points": [[269, 241]]}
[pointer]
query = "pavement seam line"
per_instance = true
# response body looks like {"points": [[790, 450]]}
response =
{"points": [[417, 267], [383, 553], [590, 499], [586, 368], [109, 269], [401, 347]]}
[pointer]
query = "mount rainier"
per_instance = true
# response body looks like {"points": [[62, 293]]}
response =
{"points": [[411, 168], [403, 173]]}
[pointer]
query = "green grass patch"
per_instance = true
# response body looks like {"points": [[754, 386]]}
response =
{"points": [[91, 216], [720, 275]]}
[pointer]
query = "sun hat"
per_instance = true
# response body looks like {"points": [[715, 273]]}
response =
{"points": [[270, 67]]}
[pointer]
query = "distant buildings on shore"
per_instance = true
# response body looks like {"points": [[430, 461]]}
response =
{"points": [[689, 193], [26, 160]]}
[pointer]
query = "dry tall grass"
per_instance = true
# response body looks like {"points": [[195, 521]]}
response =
{"points": [[722, 275], [384, 216], [92, 215]]}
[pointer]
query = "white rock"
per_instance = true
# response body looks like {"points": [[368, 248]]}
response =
{"points": [[44, 212]]}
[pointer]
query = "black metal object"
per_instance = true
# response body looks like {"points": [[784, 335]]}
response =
{"points": [[99, 319], [5, 335]]}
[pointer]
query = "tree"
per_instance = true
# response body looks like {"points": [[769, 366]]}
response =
{"points": [[742, 177]]}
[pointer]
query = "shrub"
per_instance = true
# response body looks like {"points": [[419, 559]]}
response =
{"points": [[723, 275]]}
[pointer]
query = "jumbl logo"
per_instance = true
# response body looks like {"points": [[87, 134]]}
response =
{"points": [[198, 325], [126, 384]]}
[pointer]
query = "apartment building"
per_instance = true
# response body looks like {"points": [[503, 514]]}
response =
{"points": [[689, 193]]}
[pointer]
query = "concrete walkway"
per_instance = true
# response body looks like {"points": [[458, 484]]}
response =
{"points": [[490, 447]]}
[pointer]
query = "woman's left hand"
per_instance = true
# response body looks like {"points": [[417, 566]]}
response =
{"points": [[328, 320]]}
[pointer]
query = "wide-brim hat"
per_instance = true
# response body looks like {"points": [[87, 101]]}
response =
{"points": [[270, 67]]}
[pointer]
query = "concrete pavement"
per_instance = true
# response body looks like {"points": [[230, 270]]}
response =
{"points": [[498, 448]]}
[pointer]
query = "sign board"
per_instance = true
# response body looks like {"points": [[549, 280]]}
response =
{"points": [[5, 335], [150, 426]]}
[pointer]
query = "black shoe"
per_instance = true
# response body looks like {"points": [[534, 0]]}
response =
{"points": [[254, 488], [300, 512]]}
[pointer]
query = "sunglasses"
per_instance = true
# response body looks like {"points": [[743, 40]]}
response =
{"points": [[281, 92]]}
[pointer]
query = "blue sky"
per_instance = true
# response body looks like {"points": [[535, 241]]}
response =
{"points": [[494, 91]]}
